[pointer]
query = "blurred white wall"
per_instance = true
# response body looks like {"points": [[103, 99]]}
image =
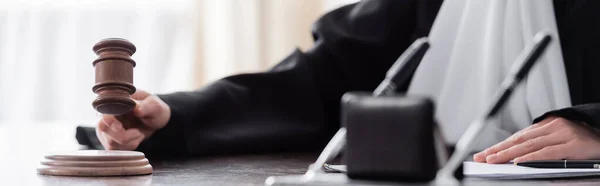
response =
{"points": [[251, 35], [45, 52], [45, 46]]}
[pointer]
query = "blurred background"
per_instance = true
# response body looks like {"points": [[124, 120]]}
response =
{"points": [[46, 72]]}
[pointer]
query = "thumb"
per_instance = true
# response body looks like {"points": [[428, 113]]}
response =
{"points": [[140, 95], [147, 108]]}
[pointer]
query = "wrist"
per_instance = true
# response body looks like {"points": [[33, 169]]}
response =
{"points": [[168, 137]]}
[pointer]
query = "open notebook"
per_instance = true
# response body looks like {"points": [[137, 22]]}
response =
{"points": [[505, 171]]}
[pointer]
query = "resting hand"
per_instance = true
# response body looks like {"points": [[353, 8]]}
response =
{"points": [[151, 110], [554, 138]]}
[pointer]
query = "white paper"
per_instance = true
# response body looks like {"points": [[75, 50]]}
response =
{"points": [[511, 171]]}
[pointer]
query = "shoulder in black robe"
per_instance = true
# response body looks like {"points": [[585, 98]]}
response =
{"points": [[295, 105]]}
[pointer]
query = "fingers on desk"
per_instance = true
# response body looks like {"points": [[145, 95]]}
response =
{"points": [[531, 145], [546, 153], [530, 139]]}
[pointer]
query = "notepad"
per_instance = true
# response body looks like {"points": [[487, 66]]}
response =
{"points": [[511, 171]]}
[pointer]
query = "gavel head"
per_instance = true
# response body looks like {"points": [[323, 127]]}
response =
{"points": [[114, 76]]}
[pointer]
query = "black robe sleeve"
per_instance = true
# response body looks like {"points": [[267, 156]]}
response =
{"points": [[295, 105], [586, 113], [578, 29]]}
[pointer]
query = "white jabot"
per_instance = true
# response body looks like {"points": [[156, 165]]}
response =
{"points": [[473, 45]]}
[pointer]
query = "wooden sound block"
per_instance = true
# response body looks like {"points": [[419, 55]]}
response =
{"points": [[95, 163]]}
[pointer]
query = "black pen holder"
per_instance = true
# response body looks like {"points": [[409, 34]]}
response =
{"points": [[389, 137]]}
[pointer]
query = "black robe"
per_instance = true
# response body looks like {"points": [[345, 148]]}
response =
{"points": [[295, 105], [579, 31]]}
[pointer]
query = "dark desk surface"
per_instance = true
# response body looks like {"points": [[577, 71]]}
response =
{"points": [[23, 146], [20, 153], [217, 171]]}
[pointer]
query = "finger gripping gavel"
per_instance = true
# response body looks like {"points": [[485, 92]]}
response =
{"points": [[114, 79]]}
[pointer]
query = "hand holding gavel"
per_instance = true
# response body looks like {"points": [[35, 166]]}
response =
{"points": [[128, 116]]}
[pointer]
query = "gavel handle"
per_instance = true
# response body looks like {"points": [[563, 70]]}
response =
{"points": [[129, 121]]}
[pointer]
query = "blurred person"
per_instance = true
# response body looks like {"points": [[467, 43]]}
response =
{"points": [[294, 106]]}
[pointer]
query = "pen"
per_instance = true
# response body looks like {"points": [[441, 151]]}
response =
{"points": [[562, 164], [402, 70], [399, 74], [519, 70]]}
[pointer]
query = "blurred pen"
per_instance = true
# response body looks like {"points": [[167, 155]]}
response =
{"points": [[400, 73], [519, 70]]}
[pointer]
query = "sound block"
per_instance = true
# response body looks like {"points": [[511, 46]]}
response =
{"points": [[95, 163]]}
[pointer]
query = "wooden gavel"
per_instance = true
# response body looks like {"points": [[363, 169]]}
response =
{"points": [[114, 80]]}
